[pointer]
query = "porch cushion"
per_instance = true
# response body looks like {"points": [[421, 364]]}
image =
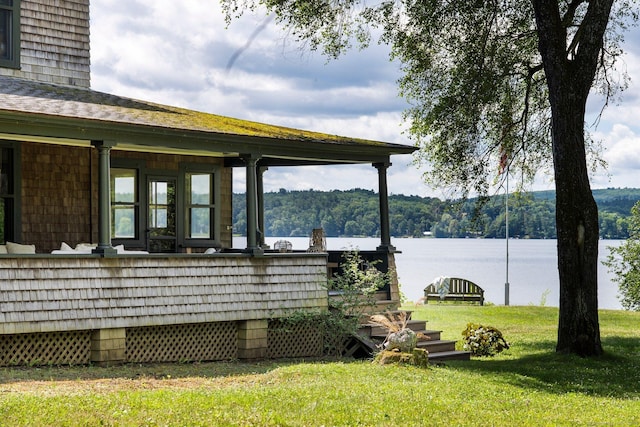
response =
{"points": [[86, 247], [66, 249], [17, 248], [3, 249]]}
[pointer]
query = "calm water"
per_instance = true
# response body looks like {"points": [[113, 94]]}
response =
{"points": [[533, 273]]}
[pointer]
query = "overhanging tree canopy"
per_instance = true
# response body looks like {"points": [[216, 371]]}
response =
{"points": [[491, 80]]}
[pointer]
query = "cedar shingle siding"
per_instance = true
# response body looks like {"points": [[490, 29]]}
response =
{"points": [[59, 201], [54, 46]]}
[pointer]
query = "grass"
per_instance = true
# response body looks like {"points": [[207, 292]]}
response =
{"points": [[526, 385]]}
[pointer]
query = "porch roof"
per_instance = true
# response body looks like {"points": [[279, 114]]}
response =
{"points": [[73, 115]]}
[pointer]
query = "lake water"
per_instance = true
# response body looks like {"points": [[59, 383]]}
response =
{"points": [[533, 272]]}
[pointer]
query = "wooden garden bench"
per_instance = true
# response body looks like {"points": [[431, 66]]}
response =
{"points": [[458, 290]]}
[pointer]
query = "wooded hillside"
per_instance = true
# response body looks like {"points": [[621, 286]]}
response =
{"points": [[355, 213]]}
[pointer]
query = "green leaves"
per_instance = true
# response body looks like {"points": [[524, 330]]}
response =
{"points": [[624, 262], [473, 73], [476, 90]]}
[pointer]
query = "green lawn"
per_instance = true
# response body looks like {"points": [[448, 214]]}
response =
{"points": [[526, 385]]}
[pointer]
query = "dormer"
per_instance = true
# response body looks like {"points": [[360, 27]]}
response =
{"points": [[45, 40]]}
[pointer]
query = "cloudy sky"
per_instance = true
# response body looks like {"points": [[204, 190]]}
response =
{"points": [[184, 56]]}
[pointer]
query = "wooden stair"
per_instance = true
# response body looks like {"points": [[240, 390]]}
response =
{"points": [[439, 350]]}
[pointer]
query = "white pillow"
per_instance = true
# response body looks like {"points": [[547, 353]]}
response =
{"points": [[65, 247], [3, 249], [86, 246], [17, 248]]}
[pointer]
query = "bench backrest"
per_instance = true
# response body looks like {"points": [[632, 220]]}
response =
{"points": [[457, 286], [463, 286]]}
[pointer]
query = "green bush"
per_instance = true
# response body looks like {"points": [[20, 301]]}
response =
{"points": [[355, 288], [624, 263], [358, 278], [483, 340]]}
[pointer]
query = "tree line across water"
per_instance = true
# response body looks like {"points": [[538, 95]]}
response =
{"points": [[356, 213]]}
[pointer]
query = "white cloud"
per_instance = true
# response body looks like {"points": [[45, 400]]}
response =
{"points": [[156, 51], [623, 148], [622, 154]]}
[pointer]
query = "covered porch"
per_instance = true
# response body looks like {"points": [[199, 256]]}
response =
{"points": [[149, 291]]}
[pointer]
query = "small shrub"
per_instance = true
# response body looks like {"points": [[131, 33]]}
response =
{"points": [[356, 286], [358, 278], [624, 262], [483, 340]]}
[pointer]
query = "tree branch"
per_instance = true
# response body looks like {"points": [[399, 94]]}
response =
{"points": [[570, 14], [589, 49]]}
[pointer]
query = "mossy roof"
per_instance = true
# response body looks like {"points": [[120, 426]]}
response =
{"points": [[47, 110]]}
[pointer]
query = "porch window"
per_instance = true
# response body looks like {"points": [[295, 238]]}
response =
{"points": [[161, 224], [200, 206], [164, 211], [125, 205], [10, 33], [7, 194]]}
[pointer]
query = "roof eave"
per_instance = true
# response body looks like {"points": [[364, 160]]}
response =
{"points": [[147, 137]]}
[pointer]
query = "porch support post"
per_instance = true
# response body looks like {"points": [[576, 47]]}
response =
{"points": [[385, 235], [260, 183], [108, 346], [104, 197], [253, 228], [252, 339]]}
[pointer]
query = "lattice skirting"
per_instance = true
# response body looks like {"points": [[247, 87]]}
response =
{"points": [[55, 348], [300, 340], [168, 343], [183, 343]]}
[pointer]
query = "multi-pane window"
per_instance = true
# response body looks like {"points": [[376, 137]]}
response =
{"points": [[9, 32], [124, 203], [163, 212], [7, 194], [200, 206]]}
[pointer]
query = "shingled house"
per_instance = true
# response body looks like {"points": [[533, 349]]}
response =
{"points": [[115, 214]]}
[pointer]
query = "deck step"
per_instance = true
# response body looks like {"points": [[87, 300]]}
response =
{"points": [[431, 335], [437, 346], [408, 313], [377, 330], [439, 350]]}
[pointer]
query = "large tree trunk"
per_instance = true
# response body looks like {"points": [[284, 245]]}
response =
{"points": [[578, 234], [570, 77]]}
